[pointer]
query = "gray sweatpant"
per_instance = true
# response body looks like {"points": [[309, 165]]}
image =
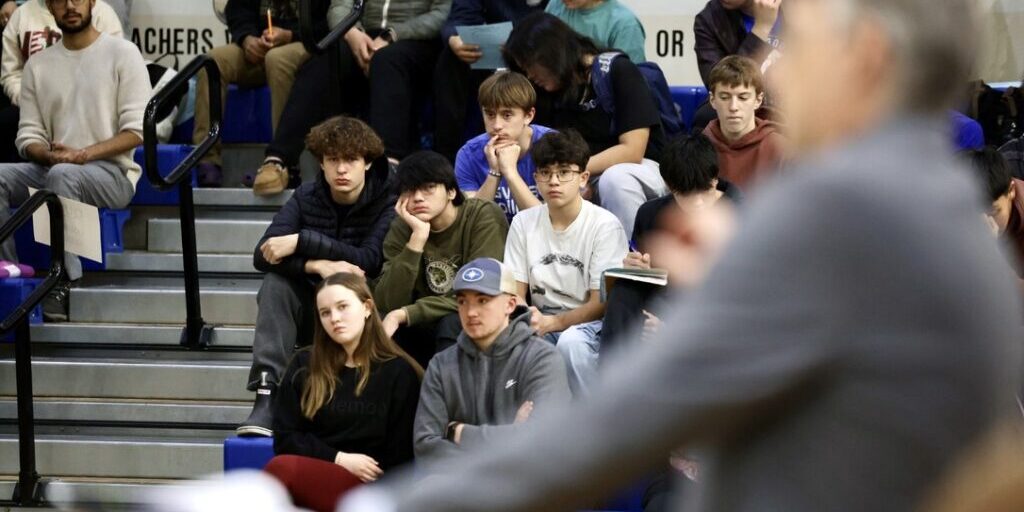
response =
{"points": [[99, 183], [284, 320]]}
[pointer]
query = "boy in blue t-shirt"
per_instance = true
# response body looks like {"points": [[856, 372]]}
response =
{"points": [[497, 164]]}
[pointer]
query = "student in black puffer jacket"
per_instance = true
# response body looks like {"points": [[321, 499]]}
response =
{"points": [[335, 224]]}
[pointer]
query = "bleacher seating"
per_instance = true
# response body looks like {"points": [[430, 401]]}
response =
{"points": [[168, 156], [247, 452], [246, 118], [233, 219], [111, 240], [12, 292], [689, 99]]}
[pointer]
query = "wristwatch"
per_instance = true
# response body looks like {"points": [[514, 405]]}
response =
{"points": [[389, 35], [449, 433]]}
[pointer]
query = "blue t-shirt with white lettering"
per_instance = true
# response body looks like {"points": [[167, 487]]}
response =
{"points": [[471, 170]]}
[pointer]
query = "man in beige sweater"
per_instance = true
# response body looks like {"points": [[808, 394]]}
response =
{"points": [[30, 30], [82, 104]]}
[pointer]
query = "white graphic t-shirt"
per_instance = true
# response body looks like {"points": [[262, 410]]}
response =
{"points": [[562, 266]]}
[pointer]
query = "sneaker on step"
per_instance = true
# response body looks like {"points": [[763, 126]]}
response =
{"points": [[272, 178], [260, 421], [55, 304]]}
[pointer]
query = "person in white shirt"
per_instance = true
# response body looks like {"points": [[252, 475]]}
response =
{"points": [[30, 30], [558, 251], [82, 105]]}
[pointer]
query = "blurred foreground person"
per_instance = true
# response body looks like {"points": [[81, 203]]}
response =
{"points": [[857, 335]]}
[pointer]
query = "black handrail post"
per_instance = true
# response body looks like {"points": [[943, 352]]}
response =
{"points": [[28, 490], [196, 333]]}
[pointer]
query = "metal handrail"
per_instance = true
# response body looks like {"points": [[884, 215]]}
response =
{"points": [[197, 333], [28, 491], [150, 141]]}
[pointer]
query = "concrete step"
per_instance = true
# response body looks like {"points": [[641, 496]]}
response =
{"points": [[162, 301], [231, 236], [143, 261], [115, 457], [133, 334], [222, 414], [238, 197], [139, 379], [69, 492]]}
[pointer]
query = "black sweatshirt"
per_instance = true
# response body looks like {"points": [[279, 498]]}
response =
{"points": [[378, 423]]}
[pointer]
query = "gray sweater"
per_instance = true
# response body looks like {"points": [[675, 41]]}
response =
{"points": [[410, 19], [860, 332], [484, 390]]}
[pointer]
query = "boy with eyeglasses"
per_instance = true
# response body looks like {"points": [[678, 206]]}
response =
{"points": [[557, 252]]}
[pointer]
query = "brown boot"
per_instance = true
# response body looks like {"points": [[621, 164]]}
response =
{"points": [[271, 179]]}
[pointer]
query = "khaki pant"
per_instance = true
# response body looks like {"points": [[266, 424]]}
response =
{"points": [[277, 70]]}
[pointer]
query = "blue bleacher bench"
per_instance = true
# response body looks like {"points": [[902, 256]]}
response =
{"points": [[689, 99], [37, 255], [13, 291], [247, 452], [246, 118], [168, 156]]}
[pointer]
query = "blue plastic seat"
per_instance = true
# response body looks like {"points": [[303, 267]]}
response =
{"points": [[37, 255], [247, 452], [13, 291], [246, 118], [168, 156], [689, 99]]}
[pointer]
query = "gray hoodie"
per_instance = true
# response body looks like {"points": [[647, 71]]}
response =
{"points": [[484, 390]]}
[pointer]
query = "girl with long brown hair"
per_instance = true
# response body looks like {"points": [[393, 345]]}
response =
{"points": [[345, 407]]}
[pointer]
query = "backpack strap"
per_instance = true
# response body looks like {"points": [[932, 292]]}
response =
{"points": [[601, 80]]}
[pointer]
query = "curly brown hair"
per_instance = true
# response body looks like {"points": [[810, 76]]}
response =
{"points": [[346, 138]]}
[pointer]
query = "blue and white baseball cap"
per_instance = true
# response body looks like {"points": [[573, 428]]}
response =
{"points": [[487, 276]]}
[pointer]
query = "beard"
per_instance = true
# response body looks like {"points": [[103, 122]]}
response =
{"points": [[84, 22]]}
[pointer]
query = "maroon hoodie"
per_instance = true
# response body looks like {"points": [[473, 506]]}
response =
{"points": [[750, 159]]}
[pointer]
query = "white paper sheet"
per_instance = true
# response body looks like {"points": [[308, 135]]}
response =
{"points": [[81, 228]]}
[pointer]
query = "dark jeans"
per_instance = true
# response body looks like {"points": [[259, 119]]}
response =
{"points": [[10, 115], [284, 321], [624, 312], [398, 74], [309, 103], [453, 101], [423, 341]]}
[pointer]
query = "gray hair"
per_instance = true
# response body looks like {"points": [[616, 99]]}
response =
{"points": [[935, 43]]}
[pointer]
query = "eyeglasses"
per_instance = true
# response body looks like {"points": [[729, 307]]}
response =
{"points": [[564, 174]]}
